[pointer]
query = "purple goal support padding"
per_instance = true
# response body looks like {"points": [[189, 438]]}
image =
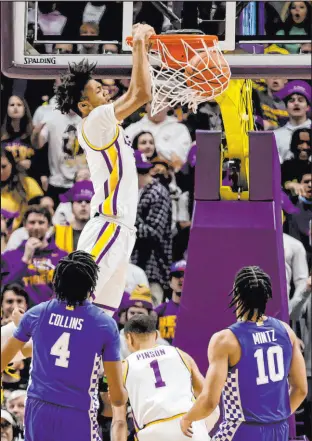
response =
{"points": [[263, 142], [207, 178], [225, 236]]}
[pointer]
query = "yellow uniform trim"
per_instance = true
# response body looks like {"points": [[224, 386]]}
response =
{"points": [[188, 368], [184, 360], [98, 149], [164, 420], [103, 240], [125, 366], [107, 206]]}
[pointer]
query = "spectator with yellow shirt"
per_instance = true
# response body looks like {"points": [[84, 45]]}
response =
{"points": [[17, 189], [167, 312]]}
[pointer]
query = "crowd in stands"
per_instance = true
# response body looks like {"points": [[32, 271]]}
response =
{"points": [[46, 193]]}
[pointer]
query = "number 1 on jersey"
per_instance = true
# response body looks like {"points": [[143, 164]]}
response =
{"points": [[60, 350], [159, 381]]}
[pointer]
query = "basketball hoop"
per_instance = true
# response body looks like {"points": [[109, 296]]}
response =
{"points": [[186, 69]]}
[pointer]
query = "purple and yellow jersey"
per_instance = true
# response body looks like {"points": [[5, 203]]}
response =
{"points": [[167, 319], [256, 389], [69, 346], [112, 166]]}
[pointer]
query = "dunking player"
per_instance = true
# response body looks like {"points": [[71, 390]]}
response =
{"points": [[255, 362], [109, 235], [70, 339], [160, 381]]}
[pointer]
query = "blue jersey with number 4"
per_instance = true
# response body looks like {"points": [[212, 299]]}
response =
{"points": [[69, 346], [256, 389]]}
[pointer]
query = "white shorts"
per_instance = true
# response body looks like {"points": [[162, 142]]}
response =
{"points": [[111, 246], [171, 431]]}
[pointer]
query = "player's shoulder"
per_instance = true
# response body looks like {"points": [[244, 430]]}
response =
{"points": [[35, 311], [103, 111], [290, 332], [224, 339]]}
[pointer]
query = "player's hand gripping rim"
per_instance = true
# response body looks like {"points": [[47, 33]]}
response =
{"points": [[143, 32], [186, 427]]}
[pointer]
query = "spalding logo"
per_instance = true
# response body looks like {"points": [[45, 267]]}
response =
{"points": [[39, 60]]}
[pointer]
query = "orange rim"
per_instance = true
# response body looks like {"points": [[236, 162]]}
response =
{"points": [[175, 40], [175, 46]]}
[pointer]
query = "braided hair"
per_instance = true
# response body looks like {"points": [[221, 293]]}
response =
{"points": [[69, 93], [252, 289], [75, 277]]}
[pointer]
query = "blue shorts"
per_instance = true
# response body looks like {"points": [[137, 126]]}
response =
{"points": [[51, 422], [239, 431]]}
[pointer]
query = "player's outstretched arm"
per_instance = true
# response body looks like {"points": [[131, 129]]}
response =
{"points": [[218, 355], [297, 373], [198, 384], [27, 349], [117, 391], [9, 350], [119, 428], [140, 89]]}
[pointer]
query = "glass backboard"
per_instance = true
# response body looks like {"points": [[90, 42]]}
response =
{"points": [[39, 38]]}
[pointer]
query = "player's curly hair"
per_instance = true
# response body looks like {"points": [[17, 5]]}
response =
{"points": [[69, 93], [252, 289], [75, 277]]}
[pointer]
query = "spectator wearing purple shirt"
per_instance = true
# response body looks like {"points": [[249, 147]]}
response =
{"points": [[32, 264], [168, 311]]}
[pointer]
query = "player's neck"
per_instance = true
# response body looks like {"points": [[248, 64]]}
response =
{"points": [[145, 345], [253, 319]]}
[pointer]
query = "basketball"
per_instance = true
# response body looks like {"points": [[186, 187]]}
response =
{"points": [[208, 72]]}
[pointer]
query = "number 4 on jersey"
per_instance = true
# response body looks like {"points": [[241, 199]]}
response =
{"points": [[60, 350]]}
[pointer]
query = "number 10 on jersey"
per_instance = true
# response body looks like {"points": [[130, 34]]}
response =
{"points": [[275, 362]]}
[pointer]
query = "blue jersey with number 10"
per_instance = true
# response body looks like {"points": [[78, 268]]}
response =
{"points": [[69, 346], [256, 389]]}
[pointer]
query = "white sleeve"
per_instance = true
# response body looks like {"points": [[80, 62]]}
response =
{"points": [[183, 210], [300, 270], [182, 142], [63, 214], [100, 125], [38, 116], [6, 333], [44, 133], [17, 237]]}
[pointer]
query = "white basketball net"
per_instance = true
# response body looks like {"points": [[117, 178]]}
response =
{"points": [[169, 85]]}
